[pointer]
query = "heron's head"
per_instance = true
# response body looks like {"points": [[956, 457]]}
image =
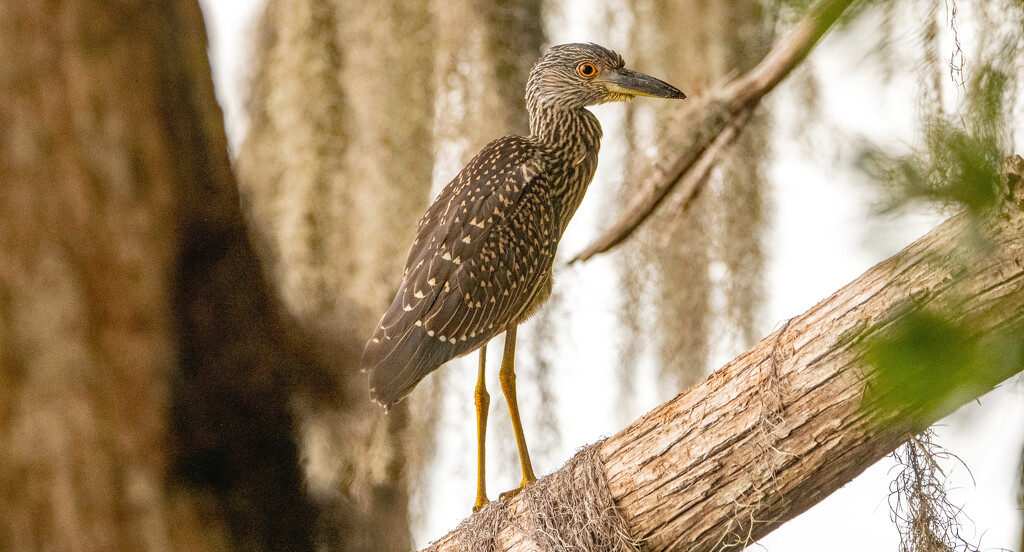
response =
{"points": [[577, 75]]}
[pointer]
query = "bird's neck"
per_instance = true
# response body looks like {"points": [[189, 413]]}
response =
{"points": [[564, 127]]}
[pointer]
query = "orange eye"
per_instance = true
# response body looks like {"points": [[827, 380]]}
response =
{"points": [[586, 70]]}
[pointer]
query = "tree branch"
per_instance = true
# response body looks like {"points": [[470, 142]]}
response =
{"points": [[725, 112], [786, 423]]}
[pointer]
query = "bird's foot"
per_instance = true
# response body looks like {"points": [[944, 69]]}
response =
{"points": [[481, 501], [509, 494]]}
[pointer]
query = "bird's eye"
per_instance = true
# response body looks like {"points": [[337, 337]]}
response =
{"points": [[586, 70]]}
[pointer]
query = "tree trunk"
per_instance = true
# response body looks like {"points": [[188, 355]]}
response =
{"points": [[144, 371], [788, 422]]}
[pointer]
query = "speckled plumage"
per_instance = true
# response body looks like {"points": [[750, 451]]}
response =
{"points": [[481, 260]]}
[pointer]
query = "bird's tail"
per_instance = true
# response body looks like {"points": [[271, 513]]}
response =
{"points": [[397, 364]]}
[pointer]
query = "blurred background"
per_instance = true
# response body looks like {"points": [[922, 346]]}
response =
{"points": [[789, 217], [180, 374]]}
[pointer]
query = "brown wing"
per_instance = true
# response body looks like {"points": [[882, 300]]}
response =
{"points": [[468, 268]]}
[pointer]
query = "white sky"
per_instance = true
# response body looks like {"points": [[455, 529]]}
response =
{"points": [[812, 188]]}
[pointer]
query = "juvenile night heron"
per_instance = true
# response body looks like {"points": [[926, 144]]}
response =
{"points": [[481, 260]]}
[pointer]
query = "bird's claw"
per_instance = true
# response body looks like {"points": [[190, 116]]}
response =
{"points": [[510, 494]]}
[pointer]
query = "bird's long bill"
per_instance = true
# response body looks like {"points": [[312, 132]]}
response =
{"points": [[634, 83]]}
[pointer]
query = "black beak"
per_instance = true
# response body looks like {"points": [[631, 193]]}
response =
{"points": [[634, 83]]}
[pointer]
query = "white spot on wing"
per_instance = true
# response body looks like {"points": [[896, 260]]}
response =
{"points": [[528, 172]]}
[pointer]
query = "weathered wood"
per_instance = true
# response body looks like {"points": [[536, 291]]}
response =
{"points": [[786, 423]]}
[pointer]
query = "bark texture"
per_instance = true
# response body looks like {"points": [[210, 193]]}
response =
{"points": [[794, 418], [144, 371], [85, 358]]}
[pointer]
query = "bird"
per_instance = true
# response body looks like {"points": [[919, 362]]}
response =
{"points": [[482, 257]]}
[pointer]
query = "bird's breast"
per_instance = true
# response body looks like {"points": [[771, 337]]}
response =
{"points": [[575, 173]]}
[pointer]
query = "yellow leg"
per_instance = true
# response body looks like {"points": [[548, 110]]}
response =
{"points": [[507, 376], [482, 401]]}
